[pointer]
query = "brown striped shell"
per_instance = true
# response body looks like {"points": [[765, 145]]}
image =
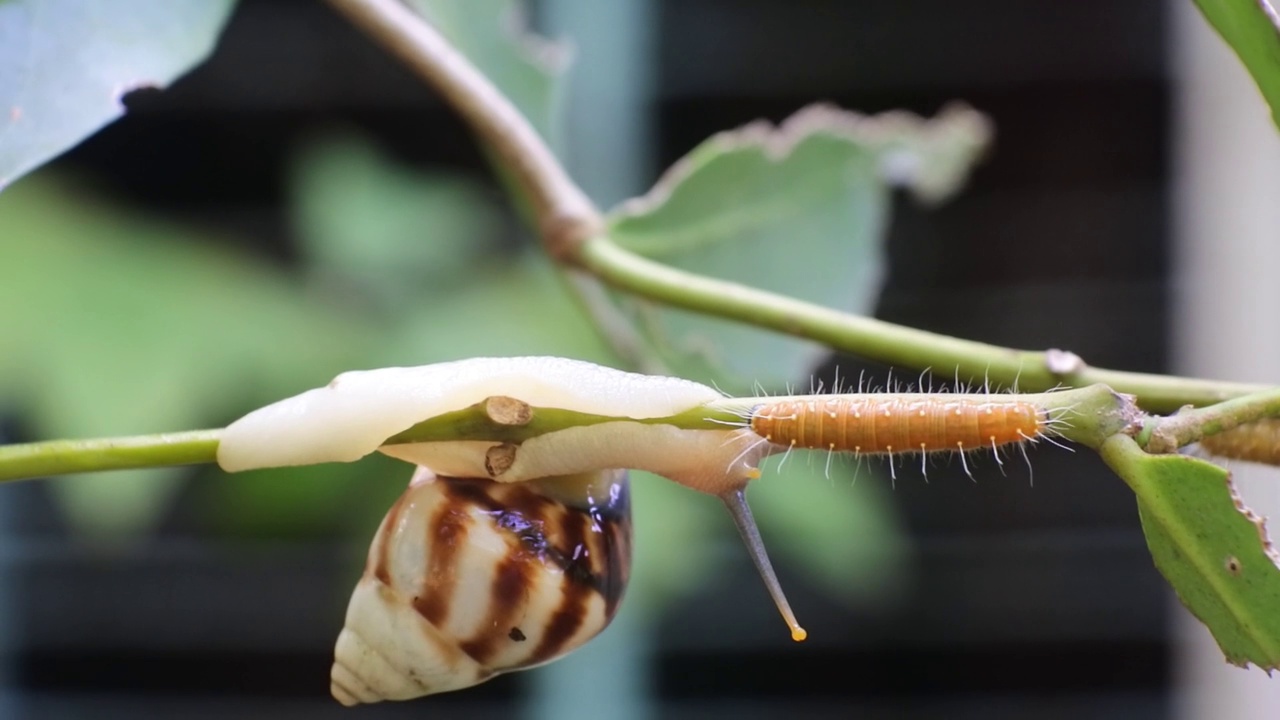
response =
{"points": [[468, 578]]}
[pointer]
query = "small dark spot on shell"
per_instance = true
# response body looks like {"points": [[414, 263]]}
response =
{"points": [[516, 635], [1233, 565]]}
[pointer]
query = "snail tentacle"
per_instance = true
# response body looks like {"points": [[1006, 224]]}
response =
{"points": [[736, 503]]}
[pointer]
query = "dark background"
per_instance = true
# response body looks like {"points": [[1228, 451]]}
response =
{"points": [[1029, 602]]}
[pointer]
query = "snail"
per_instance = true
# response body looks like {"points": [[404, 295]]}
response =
{"points": [[500, 555]]}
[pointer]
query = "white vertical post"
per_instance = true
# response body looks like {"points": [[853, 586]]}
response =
{"points": [[609, 140], [607, 145], [1226, 301]]}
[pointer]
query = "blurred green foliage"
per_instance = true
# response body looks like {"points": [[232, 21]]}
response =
{"points": [[121, 324], [66, 64], [527, 68]]}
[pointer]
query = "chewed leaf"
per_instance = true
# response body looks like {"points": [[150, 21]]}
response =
{"points": [[799, 209], [1213, 550], [931, 157], [66, 64], [493, 34]]}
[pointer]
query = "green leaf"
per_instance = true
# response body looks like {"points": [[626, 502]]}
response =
{"points": [[801, 210], [1212, 549], [118, 325], [1252, 29], [525, 67], [389, 232], [65, 64]]}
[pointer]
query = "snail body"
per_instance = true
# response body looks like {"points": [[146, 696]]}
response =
{"points": [[468, 578], [358, 411]]}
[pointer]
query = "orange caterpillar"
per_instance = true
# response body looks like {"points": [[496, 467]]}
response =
{"points": [[1258, 441], [892, 424]]}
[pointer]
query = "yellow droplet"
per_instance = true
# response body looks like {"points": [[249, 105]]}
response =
{"points": [[798, 634]]}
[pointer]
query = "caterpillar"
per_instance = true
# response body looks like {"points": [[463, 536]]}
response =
{"points": [[903, 423], [1258, 441]]}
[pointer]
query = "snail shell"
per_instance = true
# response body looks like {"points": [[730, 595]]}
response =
{"points": [[468, 578]]}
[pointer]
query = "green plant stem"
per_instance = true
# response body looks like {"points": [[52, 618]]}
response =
{"points": [[64, 457], [1167, 434], [1089, 415], [885, 342]]}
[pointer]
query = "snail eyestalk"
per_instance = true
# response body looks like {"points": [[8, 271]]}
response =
{"points": [[736, 502]]}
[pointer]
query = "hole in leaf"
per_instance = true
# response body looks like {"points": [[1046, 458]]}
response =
{"points": [[1233, 565]]}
